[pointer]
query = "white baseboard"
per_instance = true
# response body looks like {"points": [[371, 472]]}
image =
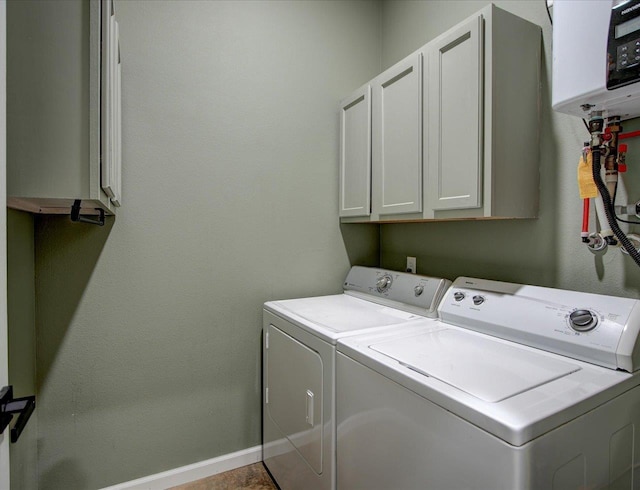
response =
{"points": [[196, 471]]}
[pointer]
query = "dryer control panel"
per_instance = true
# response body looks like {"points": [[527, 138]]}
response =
{"points": [[600, 329], [408, 292]]}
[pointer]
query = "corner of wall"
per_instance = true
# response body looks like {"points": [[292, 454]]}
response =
{"points": [[22, 339]]}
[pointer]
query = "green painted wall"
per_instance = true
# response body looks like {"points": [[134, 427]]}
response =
{"points": [[22, 340], [149, 328], [546, 251]]}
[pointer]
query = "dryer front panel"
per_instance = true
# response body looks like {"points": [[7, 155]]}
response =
{"points": [[294, 393]]}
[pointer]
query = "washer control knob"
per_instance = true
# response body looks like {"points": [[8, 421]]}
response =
{"points": [[458, 295], [418, 290], [583, 320], [478, 300], [383, 283]]}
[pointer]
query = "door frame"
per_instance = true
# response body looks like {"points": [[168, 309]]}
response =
{"points": [[4, 355]]}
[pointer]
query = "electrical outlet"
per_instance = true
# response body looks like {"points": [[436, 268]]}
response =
{"points": [[411, 265]]}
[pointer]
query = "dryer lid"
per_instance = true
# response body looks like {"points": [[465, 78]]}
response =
{"points": [[344, 313], [488, 369]]}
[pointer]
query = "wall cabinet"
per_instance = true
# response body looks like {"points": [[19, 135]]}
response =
{"points": [[455, 126], [63, 106]]}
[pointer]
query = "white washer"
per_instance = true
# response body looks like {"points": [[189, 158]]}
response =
{"points": [[515, 387], [299, 337]]}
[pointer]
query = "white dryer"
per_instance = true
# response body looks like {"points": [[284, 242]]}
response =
{"points": [[515, 387], [299, 337]]}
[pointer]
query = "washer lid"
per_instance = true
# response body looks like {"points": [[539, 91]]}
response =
{"points": [[487, 369]]}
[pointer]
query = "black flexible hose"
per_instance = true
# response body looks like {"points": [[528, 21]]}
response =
{"points": [[608, 206]]}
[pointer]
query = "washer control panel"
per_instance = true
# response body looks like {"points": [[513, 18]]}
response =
{"points": [[600, 329], [408, 292]]}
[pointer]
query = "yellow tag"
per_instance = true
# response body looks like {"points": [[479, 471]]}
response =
{"points": [[586, 185]]}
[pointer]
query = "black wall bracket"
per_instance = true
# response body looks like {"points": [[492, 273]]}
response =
{"points": [[10, 406], [76, 217]]}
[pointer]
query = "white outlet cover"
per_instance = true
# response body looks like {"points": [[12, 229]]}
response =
{"points": [[411, 264]]}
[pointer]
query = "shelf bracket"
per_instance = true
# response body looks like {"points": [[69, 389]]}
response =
{"points": [[76, 217], [10, 406]]}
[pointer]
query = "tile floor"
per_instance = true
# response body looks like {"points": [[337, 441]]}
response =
{"points": [[251, 477]]}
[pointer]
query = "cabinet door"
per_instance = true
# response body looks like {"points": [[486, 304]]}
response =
{"points": [[454, 118], [397, 138], [111, 104], [355, 154]]}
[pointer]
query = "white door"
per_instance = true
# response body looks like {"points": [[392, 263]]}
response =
{"points": [[4, 365], [111, 103]]}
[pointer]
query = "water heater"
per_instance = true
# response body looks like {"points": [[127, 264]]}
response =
{"points": [[596, 57]]}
